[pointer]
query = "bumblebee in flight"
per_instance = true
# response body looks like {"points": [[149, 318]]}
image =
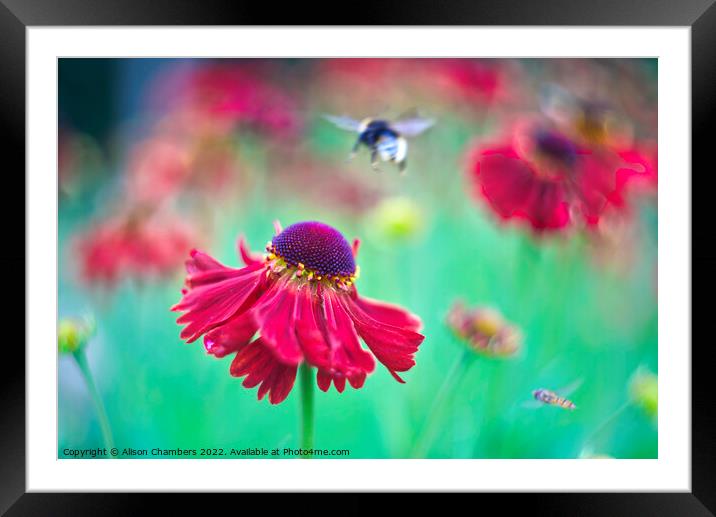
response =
{"points": [[385, 140]]}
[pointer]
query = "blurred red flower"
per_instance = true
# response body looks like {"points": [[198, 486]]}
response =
{"points": [[167, 165], [539, 175], [158, 168], [474, 80], [238, 94], [133, 246]]}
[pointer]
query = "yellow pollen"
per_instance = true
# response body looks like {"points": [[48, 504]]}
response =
{"points": [[488, 328], [276, 264]]}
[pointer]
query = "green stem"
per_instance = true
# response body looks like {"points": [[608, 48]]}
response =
{"points": [[306, 407], [81, 359], [427, 433], [528, 265]]}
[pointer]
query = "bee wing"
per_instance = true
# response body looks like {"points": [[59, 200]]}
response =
{"points": [[412, 126], [345, 123], [570, 388], [557, 103]]}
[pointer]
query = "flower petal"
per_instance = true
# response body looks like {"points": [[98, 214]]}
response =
{"points": [[316, 349], [547, 207], [203, 269], [637, 170], [340, 383], [513, 189], [323, 379], [393, 346], [505, 181], [210, 305], [257, 362], [275, 315], [348, 356], [357, 380], [230, 337], [249, 258], [200, 261], [328, 338], [388, 313]]}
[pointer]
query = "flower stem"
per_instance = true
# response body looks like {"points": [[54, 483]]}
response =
{"points": [[306, 407], [427, 433], [81, 359]]}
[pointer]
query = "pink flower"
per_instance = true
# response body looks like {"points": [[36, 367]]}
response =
{"points": [[473, 80], [236, 94], [187, 159], [540, 176], [159, 168], [302, 301], [132, 246], [372, 73], [370, 85]]}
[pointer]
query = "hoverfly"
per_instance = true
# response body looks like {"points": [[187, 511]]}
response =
{"points": [[545, 397], [385, 140]]}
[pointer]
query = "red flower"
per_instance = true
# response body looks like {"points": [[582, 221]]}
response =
{"points": [[603, 129], [367, 74], [132, 246], [368, 85], [302, 301], [540, 176], [166, 165], [158, 169], [236, 94], [473, 80]]}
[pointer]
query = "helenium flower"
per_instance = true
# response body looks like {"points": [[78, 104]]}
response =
{"points": [[302, 300]]}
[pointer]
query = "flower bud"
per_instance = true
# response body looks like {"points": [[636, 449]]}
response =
{"points": [[397, 218], [644, 392], [73, 334], [485, 331]]}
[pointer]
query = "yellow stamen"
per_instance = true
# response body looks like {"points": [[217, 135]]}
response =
{"points": [[276, 264]]}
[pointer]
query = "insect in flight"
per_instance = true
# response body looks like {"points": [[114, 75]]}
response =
{"points": [[545, 397], [385, 140]]}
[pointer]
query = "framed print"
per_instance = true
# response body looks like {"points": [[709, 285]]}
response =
{"points": [[409, 258]]}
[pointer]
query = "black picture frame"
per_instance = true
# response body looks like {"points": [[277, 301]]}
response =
{"points": [[17, 15]]}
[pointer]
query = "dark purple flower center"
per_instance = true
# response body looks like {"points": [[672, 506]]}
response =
{"points": [[319, 247], [555, 146]]}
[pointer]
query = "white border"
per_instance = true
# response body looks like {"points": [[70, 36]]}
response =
{"points": [[670, 472]]}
